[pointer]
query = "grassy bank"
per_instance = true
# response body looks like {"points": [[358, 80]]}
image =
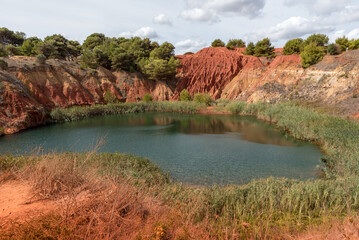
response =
{"points": [[264, 208], [77, 113]]}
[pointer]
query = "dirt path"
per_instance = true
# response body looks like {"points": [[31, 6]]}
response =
{"points": [[18, 202]]}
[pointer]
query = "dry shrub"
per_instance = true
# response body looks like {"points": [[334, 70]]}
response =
{"points": [[95, 207]]}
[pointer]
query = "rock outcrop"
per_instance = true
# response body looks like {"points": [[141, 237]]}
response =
{"points": [[28, 91]]}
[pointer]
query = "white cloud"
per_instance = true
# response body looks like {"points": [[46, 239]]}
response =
{"points": [[200, 15], [353, 34], [162, 19], [320, 7], [294, 27], [144, 32], [210, 10], [189, 45], [350, 14]]}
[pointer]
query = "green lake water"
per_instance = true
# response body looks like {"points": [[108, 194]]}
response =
{"points": [[195, 149]]}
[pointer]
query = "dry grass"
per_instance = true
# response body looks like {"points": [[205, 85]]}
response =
{"points": [[93, 207]]}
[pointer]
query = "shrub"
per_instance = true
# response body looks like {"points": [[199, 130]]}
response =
{"points": [[12, 50], [354, 44], [333, 49], [203, 98], [185, 96], [293, 46], [147, 98], [235, 43], [249, 49], [264, 48], [109, 97], [312, 54], [3, 65], [343, 43], [217, 43], [41, 58], [318, 39]]}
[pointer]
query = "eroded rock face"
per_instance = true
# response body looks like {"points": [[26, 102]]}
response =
{"points": [[28, 90], [228, 74]]}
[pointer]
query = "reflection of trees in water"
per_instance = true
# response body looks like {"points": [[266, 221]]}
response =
{"points": [[252, 130]]}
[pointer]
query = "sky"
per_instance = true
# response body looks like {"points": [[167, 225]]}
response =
{"points": [[189, 25]]}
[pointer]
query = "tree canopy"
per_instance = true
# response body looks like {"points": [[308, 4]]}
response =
{"points": [[318, 39], [10, 37], [217, 43], [264, 48], [249, 49], [235, 43], [293, 46], [312, 54]]}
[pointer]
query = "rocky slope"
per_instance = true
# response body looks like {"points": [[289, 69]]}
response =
{"points": [[228, 74], [28, 91]]}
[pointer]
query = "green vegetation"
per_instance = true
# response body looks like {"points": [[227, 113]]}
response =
{"points": [[147, 98], [217, 43], [3, 65], [343, 43], [249, 49], [333, 49], [312, 54], [109, 97], [75, 113], [185, 96], [294, 46], [9, 37], [41, 58], [203, 98], [264, 48], [318, 39], [235, 43], [270, 207]]}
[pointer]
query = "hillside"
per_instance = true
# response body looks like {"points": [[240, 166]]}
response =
{"points": [[28, 90]]}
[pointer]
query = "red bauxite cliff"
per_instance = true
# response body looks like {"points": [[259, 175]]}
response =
{"points": [[29, 90]]}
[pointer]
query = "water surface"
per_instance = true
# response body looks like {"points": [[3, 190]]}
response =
{"points": [[195, 149]]}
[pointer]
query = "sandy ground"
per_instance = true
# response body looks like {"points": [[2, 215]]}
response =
{"points": [[17, 202]]}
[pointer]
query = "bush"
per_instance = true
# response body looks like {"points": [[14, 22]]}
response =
{"points": [[333, 49], [317, 39], [343, 43], [235, 43], [11, 50], [217, 43], [41, 58], [249, 49], [264, 48], [185, 96], [3, 65], [312, 54], [294, 46], [147, 98], [109, 97], [203, 98]]}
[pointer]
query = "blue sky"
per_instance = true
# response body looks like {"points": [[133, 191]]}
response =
{"points": [[188, 24]]}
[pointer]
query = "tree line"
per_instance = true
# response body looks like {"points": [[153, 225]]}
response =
{"points": [[135, 54], [311, 50]]}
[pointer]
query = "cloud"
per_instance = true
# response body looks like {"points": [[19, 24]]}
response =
{"points": [[144, 32], [189, 45], [200, 15], [294, 27], [350, 14], [210, 11], [320, 7], [353, 34], [161, 19]]}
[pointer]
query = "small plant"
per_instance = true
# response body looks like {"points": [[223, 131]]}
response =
{"points": [[185, 96], [41, 59], [147, 98], [109, 97], [203, 98], [3, 65], [355, 96]]}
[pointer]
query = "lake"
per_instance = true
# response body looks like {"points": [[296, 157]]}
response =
{"points": [[195, 149]]}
